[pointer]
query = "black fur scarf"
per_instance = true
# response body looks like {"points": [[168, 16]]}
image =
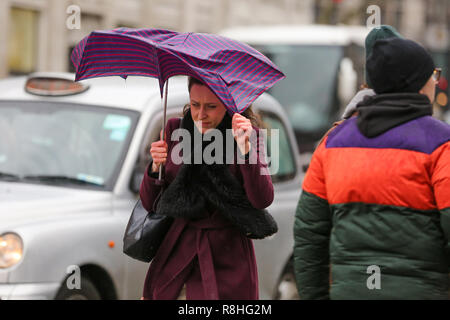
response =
{"points": [[201, 188]]}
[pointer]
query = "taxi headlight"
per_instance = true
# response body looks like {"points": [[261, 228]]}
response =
{"points": [[11, 250]]}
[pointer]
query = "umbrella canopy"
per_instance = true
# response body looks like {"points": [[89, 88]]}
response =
{"points": [[234, 71]]}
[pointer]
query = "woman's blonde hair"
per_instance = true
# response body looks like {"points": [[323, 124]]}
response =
{"points": [[248, 113]]}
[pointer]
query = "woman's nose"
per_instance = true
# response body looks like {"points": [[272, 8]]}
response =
{"points": [[202, 112]]}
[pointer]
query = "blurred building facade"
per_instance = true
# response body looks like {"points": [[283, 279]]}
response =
{"points": [[35, 36], [426, 21]]}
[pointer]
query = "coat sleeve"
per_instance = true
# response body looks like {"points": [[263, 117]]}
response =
{"points": [[440, 180], [312, 229], [150, 186], [255, 173]]}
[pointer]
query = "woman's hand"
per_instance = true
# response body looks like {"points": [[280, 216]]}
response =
{"points": [[242, 130], [158, 152]]}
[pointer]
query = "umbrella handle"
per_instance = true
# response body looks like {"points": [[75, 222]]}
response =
{"points": [[164, 103]]}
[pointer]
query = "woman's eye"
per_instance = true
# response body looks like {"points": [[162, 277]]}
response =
{"points": [[211, 107]]}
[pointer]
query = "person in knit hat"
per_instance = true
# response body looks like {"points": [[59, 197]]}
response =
{"points": [[408, 77], [378, 33], [374, 213]]}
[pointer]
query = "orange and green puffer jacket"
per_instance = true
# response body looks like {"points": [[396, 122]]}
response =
{"points": [[382, 201]]}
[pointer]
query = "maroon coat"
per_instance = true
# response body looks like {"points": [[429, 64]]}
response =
{"points": [[211, 256]]}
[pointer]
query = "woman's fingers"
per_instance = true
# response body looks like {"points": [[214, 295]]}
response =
{"points": [[238, 116], [158, 151], [239, 120], [159, 143], [158, 146], [242, 121], [159, 155], [243, 128], [241, 124]]}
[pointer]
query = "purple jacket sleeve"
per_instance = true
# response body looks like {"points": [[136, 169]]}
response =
{"points": [[255, 173]]}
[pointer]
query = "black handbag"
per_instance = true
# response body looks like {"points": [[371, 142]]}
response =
{"points": [[145, 232]]}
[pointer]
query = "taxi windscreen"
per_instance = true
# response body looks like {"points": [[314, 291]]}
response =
{"points": [[63, 144]]}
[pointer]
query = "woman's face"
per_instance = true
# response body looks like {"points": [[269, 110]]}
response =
{"points": [[206, 109]]}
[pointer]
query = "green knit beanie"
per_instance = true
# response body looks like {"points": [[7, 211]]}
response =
{"points": [[381, 32]]}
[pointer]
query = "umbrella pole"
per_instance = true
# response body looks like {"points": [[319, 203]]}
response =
{"points": [[164, 103]]}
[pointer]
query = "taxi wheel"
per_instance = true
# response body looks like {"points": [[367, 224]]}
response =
{"points": [[87, 291]]}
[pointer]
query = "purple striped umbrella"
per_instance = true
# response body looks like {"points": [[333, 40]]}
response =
{"points": [[234, 71]]}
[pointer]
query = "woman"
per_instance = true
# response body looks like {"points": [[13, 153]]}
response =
{"points": [[217, 207]]}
